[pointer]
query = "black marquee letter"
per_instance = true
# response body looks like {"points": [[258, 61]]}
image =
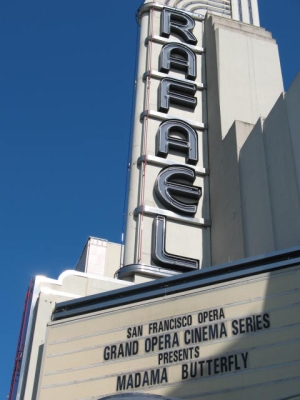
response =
{"points": [[176, 92], [178, 23], [159, 253], [188, 145], [166, 190], [178, 56]]}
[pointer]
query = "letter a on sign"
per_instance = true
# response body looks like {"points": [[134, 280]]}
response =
{"points": [[180, 136], [180, 57]]}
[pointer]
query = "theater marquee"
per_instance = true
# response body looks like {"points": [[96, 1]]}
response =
{"points": [[196, 335]]}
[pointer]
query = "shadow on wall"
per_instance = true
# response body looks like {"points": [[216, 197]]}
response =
{"points": [[269, 176], [37, 371], [255, 184], [137, 396]]}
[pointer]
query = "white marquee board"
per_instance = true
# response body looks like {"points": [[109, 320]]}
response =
{"points": [[230, 340]]}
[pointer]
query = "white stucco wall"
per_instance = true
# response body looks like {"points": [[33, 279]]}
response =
{"points": [[46, 293], [257, 207]]}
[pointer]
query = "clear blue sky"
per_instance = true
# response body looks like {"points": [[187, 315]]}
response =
{"points": [[66, 83]]}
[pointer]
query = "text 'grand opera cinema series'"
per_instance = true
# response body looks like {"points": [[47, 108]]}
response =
{"points": [[205, 301]]}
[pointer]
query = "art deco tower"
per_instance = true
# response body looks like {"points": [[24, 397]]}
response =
{"points": [[197, 75], [214, 178]]}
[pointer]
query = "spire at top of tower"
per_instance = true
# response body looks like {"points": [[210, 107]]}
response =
{"points": [[241, 10]]}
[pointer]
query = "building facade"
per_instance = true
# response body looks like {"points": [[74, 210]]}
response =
{"points": [[213, 210], [204, 81]]}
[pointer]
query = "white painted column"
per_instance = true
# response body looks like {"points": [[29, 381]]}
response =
{"points": [[186, 236]]}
